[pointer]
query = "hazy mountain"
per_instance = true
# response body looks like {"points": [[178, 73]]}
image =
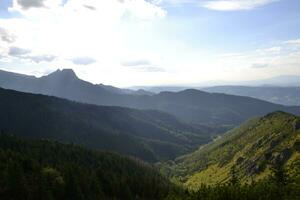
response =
{"points": [[211, 108], [158, 89], [251, 149], [149, 135], [279, 95], [278, 81], [193, 106], [57, 83], [282, 81]]}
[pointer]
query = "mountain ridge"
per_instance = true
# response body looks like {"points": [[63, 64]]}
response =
{"points": [[279, 95], [147, 134], [192, 106]]}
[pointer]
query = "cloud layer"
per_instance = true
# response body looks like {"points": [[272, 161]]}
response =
{"points": [[17, 51], [119, 42], [26, 54], [26, 4]]}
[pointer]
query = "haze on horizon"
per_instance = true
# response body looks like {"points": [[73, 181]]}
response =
{"points": [[152, 42]]}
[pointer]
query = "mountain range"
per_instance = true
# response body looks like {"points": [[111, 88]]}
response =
{"points": [[193, 106], [280, 95], [278, 81], [181, 133]]}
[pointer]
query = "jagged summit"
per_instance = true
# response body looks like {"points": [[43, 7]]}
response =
{"points": [[64, 73]]}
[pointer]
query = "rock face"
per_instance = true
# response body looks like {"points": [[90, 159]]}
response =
{"points": [[297, 125], [253, 168]]}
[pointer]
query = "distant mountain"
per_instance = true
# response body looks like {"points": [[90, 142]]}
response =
{"points": [[250, 149], [278, 81], [57, 83], [149, 135], [158, 89], [281, 81], [279, 95], [45, 169], [193, 106], [211, 108]]}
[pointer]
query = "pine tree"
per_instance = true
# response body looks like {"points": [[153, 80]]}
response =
{"points": [[234, 179]]}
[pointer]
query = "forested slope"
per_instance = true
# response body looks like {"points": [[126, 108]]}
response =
{"points": [[149, 135], [251, 150], [46, 170]]}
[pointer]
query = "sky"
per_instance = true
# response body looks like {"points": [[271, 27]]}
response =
{"points": [[152, 42]]}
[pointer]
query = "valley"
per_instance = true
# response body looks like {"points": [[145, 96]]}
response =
{"points": [[149, 100]]}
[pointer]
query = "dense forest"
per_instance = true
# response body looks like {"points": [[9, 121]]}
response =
{"points": [[44, 169], [61, 149]]}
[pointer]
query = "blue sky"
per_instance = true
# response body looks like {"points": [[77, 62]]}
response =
{"points": [[153, 42]]}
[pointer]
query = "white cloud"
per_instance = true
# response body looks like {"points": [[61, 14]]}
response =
{"points": [[221, 5], [117, 33], [25, 5], [281, 59], [140, 9], [132, 63], [83, 60], [6, 36], [259, 65], [293, 42], [142, 66], [79, 32], [143, 9], [231, 5], [271, 50], [39, 58], [77, 28], [17, 51], [26, 54]]}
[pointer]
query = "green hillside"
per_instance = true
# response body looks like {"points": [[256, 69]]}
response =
{"points": [[47, 170], [149, 135], [250, 150], [44, 169]]}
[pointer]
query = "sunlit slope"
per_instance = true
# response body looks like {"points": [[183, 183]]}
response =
{"points": [[251, 149]]}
